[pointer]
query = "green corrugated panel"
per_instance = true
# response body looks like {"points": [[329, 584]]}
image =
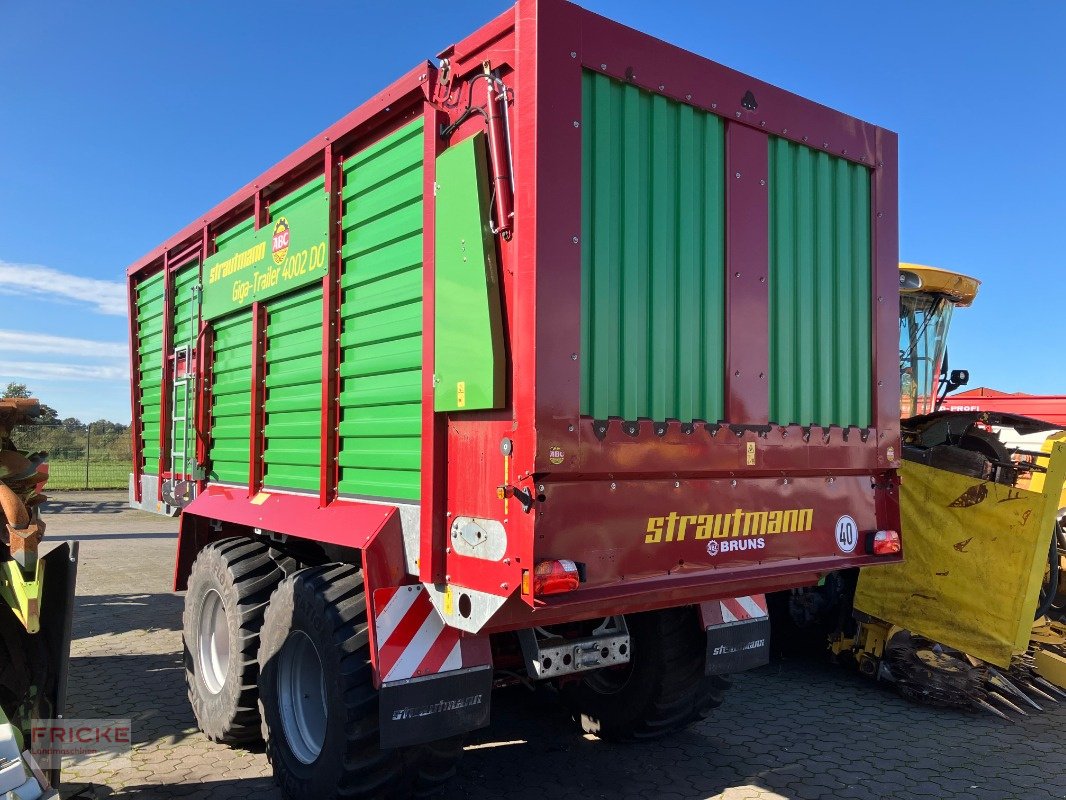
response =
{"points": [[653, 256], [381, 310], [149, 302], [223, 240], [820, 285], [284, 204], [231, 402], [294, 390], [186, 307], [186, 326], [231, 384]]}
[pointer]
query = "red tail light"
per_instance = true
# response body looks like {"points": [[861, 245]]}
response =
{"points": [[885, 543], [555, 577]]}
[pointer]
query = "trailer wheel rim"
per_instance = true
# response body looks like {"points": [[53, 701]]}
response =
{"points": [[302, 697], [214, 643], [610, 680]]}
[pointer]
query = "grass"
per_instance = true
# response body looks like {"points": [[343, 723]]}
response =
{"points": [[71, 474]]}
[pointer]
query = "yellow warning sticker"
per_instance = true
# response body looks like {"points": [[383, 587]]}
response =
{"points": [[449, 606], [460, 394], [260, 498], [751, 454]]}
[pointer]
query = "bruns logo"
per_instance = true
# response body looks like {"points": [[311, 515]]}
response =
{"points": [[279, 242], [674, 527]]}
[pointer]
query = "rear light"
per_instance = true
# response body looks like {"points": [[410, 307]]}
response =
{"points": [[884, 543], [555, 577]]}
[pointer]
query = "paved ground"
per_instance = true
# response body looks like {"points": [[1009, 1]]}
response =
{"points": [[792, 730]]}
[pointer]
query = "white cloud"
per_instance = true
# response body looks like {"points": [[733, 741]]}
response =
{"points": [[66, 372], [22, 343], [105, 297]]}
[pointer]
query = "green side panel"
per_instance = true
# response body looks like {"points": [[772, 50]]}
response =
{"points": [[820, 288], [225, 240], [255, 265], [185, 328], [381, 311], [149, 301], [292, 453], [468, 340], [231, 380], [652, 256], [231, 398]]}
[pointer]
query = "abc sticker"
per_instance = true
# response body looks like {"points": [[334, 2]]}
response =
{"points": [[556, 455], [847, 534], [279, 242]]}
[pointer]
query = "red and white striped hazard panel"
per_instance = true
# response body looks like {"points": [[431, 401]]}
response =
{"points": [[411, 637], [734, 609]]}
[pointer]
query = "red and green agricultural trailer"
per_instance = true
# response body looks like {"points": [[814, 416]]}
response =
{"points": [[543, 364]]}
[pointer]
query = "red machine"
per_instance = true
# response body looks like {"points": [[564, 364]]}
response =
{"points": [[1050, 408], [576, 335]]}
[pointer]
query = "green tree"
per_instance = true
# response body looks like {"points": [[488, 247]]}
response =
{"points": [[15, 390], [104, 427]]}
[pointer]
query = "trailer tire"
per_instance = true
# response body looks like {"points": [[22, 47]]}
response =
{"points": [[317, 624], [229, 586], [664, 688]]}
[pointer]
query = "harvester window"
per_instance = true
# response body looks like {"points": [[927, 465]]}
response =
{"points": [[923, 325]]}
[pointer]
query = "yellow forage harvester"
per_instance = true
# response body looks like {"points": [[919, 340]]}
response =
{"points": [[953, 625]]}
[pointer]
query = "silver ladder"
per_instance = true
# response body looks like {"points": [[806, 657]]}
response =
{"points": [[184, 385], [181, 389]]}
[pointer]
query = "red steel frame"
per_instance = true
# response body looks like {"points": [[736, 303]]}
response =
{"points": [[747, 295], [168, 367], [258, 394], [331, 335], [540, 49], [205, 355], [433, 533]]}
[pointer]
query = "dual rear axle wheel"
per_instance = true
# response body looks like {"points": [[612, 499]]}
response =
{"points": [[283, 653], [286, 658]]}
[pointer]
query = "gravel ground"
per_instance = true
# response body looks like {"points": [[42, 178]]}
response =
{"points": [[790, 730]]}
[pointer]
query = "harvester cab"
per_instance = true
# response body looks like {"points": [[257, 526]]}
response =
{"points": [[927, 298], [36, 602], [956, 441]]}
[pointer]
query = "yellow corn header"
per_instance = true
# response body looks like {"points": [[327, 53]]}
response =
{"points": [[953, 625]]}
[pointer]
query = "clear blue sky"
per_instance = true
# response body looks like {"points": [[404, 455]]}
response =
{"points": [[122, 121]]}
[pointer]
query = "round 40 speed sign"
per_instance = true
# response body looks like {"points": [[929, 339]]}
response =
{"points": [[847, 534]]}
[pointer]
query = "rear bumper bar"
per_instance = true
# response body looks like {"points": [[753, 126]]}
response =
{"points": [[668, 591]]}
